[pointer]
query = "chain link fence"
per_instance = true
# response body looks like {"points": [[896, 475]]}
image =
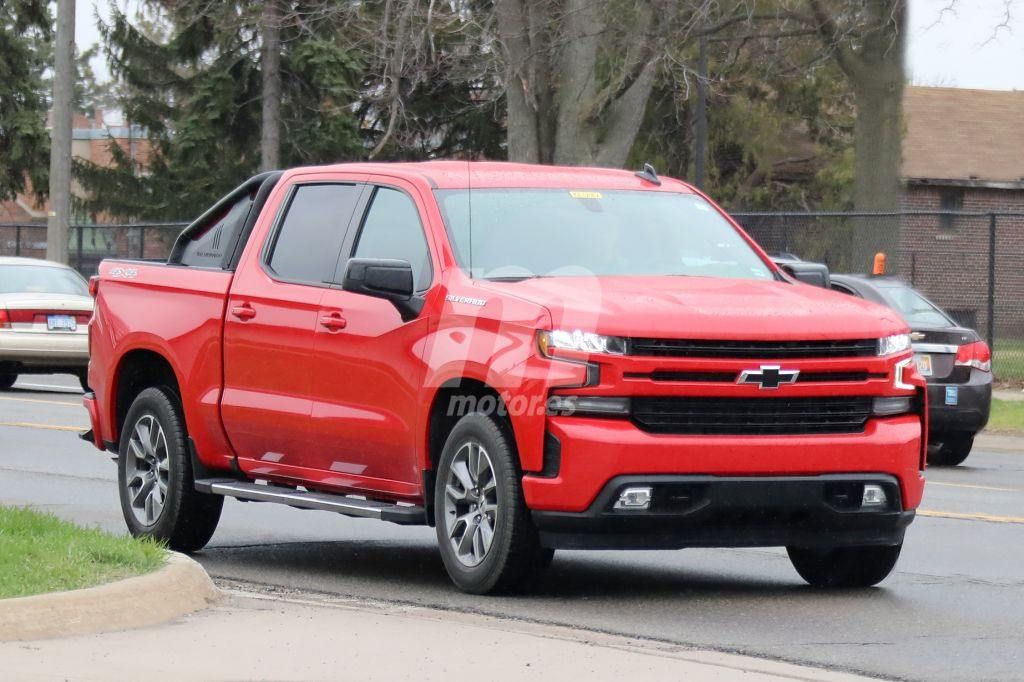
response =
{"points": [[970, 264]]}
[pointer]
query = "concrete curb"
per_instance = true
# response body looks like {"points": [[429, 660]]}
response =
{"points": [[181, 586]]}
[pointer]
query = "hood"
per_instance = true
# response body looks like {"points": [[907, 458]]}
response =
{"points": [[703, 308]]}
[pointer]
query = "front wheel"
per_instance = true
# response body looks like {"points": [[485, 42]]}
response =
{"points": [[487, 540], [157, 490], [845, 566], [952, 450], [7, 380]]}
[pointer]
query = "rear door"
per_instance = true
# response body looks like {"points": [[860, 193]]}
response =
{"points": [[365, 409], [270, 323]]}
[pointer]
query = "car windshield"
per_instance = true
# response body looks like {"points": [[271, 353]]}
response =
{"points": [[522, 233], [41, 279], [915, 308]]}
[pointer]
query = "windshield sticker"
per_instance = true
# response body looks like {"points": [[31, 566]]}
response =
{"points": [[585, 195]]}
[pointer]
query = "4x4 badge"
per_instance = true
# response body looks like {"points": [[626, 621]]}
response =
{"points": [[768, 376]]}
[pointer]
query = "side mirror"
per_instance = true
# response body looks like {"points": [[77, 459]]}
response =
{"points": [[815, 274], [391, 280]]}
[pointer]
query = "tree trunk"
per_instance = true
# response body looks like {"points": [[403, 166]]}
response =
{"points": [[878, 134], [875, 69], [59, 220], [270, 64], [582, 116]]}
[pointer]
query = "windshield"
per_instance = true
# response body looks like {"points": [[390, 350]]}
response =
{"points": [[41, 279], [915, 308], [520, 233]]}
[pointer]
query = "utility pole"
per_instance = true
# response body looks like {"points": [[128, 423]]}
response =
{"points": [[700, 132], [59, 220], [270, 64]]}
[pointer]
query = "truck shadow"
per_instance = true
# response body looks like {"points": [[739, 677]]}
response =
{"points": [[413, 571]]}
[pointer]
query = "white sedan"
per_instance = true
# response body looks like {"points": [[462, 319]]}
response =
{"points": [[45, 309]]}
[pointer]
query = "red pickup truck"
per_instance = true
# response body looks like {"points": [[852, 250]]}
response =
{"points": [[526, 358]]}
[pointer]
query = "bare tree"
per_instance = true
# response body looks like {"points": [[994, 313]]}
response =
{"points": [[868, 44], [579, 73]]}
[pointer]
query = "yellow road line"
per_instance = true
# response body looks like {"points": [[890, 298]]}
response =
{"points": [[43, 402], [973, 487], [52, 427], [974, 516]]}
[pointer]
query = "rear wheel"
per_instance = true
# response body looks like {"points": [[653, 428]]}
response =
{"points": [[953, 449], [83, 379], [844, 566], [487, 540], [7, 380], [158, 496]]}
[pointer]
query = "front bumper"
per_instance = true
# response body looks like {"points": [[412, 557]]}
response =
{"points": [[593, 451], [973, 402], [715, 511]]}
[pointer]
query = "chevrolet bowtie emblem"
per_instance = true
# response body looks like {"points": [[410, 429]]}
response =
{"points": [[768, 376]]}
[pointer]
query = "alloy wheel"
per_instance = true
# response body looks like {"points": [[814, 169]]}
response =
{"points": [[147, 470], [471, 503]]}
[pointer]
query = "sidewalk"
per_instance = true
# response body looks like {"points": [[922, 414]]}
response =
{"points": [[259, 637]]}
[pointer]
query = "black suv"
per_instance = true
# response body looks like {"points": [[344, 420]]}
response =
{"points": [[954, 360]]}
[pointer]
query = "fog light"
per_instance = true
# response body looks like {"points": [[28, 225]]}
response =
{"points": [[874, 496], [634, 498]]}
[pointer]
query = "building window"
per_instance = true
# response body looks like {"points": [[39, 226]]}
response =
{"points": [[951, 200]]}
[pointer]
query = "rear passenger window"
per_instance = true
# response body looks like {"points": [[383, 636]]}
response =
{"points": [[392, 229], [309, 239], [207, 249]]}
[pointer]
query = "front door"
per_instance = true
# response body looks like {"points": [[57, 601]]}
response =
{"points": [[270, 324], [369, 372]]}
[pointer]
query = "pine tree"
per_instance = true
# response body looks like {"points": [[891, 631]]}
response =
{"points": [[25, 32], [190, 72]]}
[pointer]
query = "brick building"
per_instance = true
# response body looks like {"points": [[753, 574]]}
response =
{"points": [[90, 141], [23, 221], [963, 151]]}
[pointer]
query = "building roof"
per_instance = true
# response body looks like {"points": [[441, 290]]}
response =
{"points": [[964, 137]]}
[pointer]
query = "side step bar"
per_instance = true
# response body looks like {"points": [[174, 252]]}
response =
{"points": [[405, 515]]}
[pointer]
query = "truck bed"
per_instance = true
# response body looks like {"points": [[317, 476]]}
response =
{"points": [[175, 311]]}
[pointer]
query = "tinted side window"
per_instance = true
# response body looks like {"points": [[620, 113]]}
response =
{"points": [[392, 229], [208, 248], [308, 241]]}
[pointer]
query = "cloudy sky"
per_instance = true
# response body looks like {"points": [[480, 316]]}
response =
{"points": [[965, 47]]}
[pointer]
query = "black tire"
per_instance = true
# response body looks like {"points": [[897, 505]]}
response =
{"points": [[7, 380], [188, 518], [83, 379], [515, 560], [845, 566], [952, 449]]}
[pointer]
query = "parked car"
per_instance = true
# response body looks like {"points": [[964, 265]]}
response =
{"points": [[45, 309], [556, 358], [955, 361]]}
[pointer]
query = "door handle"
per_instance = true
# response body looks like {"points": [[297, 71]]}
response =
{"points": [[333, 322], [243, 312]]}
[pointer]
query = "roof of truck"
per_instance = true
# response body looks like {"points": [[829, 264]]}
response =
{"points": [[485, 174]]}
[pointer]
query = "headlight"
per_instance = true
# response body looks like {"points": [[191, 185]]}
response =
{"points": [[890, 345], [581, 341]]}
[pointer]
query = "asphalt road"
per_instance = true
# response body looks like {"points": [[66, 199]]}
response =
{"points": [[953, 610]]}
